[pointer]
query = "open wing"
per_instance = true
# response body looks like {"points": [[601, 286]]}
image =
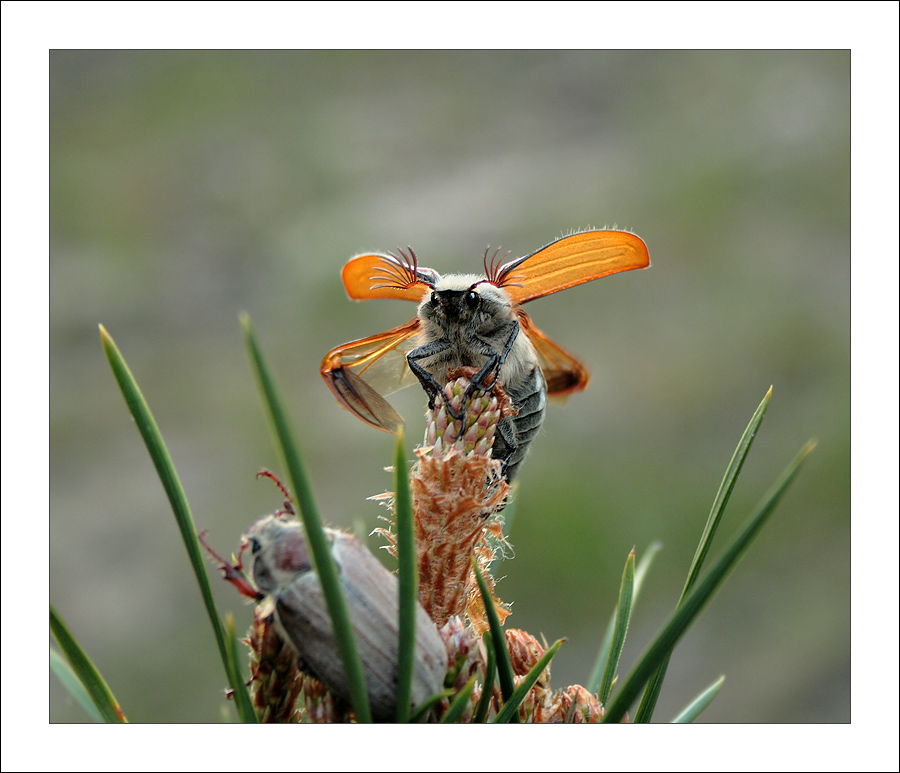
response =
{"points": [[564, 374], [360, 372], [387, 276], [571, 261]]}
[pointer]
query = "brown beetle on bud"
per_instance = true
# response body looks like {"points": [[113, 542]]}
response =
{"points": [[283, 571]]}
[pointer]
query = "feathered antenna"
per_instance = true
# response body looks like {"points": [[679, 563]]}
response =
{"points": [[493, 266], [401, 271], [502, 273]]}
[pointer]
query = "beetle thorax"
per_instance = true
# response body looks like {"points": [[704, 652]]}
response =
{"points": [[470, 314]]}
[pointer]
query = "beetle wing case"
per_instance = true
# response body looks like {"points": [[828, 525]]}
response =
{"points": [[371, 592]]}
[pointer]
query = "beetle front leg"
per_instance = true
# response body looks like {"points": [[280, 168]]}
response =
{"points": [[495, 360], [428, 382]]}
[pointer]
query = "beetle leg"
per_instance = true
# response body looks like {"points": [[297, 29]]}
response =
{"points": [[492, 366], [428, 382], [495, 360]]}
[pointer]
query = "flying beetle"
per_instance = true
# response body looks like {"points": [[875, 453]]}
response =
{"points": [[466, 320]]}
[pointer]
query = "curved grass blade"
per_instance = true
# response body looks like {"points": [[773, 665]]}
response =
{"points": [[234, 669], [165, 468], [724, 492], [85, 671], [651, 694], [425, 706], [69, 679], [696, 706], [510, 710], [498, 638], [703, 592], [487, 690], [318, 543], [460, 703], [623, 617], [407, 580], [643, 566]]}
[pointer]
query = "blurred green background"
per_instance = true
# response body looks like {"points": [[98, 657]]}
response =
{"points": [[187, 187]]}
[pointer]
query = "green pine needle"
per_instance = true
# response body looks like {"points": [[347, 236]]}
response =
{"points": [[643, 567], [85, 672], [165, 468], [623, 617], [459, 703], [69, 679], [703, 592], [498, 638], [487, 690], [651, 694], [696, 706], [315, 535], [510, 710], [408, 581]]}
